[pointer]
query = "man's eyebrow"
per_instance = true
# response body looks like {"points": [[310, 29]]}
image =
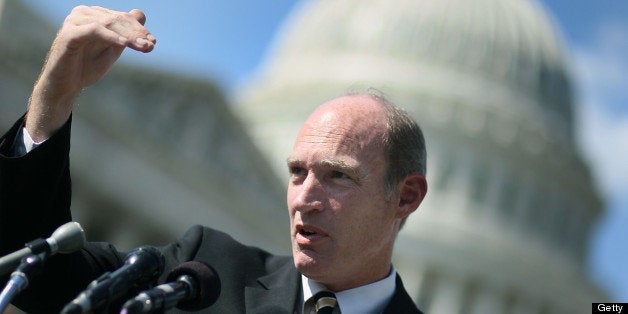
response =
{"points": [[292, 161], [334, 163]]}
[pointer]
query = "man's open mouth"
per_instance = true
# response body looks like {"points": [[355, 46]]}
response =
{"points": [[306, 232]]}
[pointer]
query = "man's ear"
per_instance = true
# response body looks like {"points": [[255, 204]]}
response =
{"points": [[411, 190]]}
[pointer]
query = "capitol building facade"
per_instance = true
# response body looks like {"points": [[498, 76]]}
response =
{"points": [[507, 219]]}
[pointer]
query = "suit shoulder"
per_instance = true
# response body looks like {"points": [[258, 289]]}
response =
{"points": [[202, 242]]}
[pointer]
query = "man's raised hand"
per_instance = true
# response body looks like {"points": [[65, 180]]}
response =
{"points": [[89, 42]]}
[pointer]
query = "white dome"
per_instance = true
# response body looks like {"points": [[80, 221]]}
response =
{"points": [[469, 48]]}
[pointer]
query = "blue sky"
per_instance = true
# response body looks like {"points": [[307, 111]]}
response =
{"points": [[226, 41]]}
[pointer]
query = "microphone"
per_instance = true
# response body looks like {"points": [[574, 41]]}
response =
{"points": [[30, 266], [192, 286], [142, 266], [67, 238]]}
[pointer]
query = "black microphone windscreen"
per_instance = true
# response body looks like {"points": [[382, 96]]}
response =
{"points": [[149, 263], [208, 284], [141, 266]]}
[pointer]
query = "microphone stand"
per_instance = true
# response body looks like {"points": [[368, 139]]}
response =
{"points": [[30, 266]]}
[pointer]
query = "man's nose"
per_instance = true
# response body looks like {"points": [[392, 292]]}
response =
{"points": [[310, 195]]}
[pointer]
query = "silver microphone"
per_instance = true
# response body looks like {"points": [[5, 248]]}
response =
{"points": [[68, 238]]}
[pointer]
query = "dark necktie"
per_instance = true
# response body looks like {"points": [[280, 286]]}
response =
{"points": [[325, 302]]}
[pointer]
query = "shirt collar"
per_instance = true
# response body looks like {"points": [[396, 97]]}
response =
{"points": [[371, 298]]}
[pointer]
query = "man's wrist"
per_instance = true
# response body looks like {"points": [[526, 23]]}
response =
{"points": [[45, 116]]}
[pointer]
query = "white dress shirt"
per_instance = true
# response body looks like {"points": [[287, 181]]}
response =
{"points": [[24, 146], [371, 298]]}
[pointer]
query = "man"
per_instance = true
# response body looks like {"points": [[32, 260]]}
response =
{"points": [[356, 173]]}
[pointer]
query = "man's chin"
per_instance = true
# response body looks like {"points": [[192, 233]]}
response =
{"points": [[308, 264]]}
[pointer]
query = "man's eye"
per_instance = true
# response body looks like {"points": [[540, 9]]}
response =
{"points": [[296, 171], [339, 175]]}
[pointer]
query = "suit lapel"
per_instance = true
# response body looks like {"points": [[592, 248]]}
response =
{"points": [[401, 301], [276, 292]]}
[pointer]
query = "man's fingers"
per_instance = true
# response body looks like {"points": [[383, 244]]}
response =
{"points": [[129, 26], [138, 37], [139, 16], [141, 44]]}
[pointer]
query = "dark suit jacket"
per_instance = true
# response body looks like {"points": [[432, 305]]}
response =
{"points": [[35, 199]]}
